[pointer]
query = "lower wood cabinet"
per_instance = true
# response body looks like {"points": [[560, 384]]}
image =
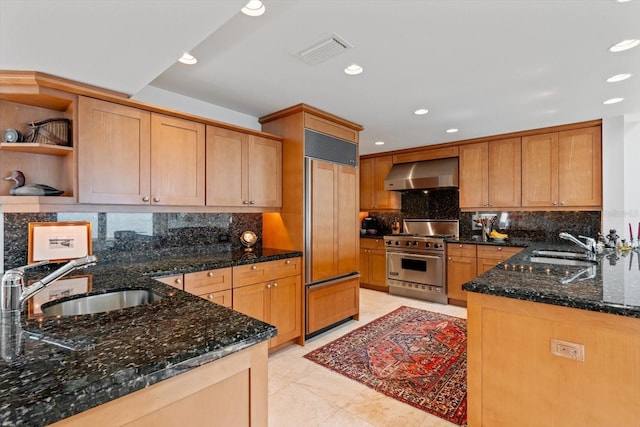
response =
{"points": [[373, 264], [213, 285], [272, 292], [465, 261]]}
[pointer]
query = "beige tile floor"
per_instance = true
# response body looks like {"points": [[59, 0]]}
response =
{"points": [[304, 394]]}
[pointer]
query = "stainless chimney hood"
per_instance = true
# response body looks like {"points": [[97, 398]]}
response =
{"points": [[424, 175]]}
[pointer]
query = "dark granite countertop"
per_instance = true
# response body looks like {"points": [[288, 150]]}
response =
{"points": [[519, 243], [119, 352], [612, 285]]}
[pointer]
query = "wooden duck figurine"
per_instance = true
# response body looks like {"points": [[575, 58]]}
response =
{"points": [[20, 189]]}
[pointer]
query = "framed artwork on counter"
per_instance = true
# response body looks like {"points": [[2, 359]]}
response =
{"points": [[58, 241]]}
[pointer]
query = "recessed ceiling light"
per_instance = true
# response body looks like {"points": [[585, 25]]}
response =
{"points": [[253, 8], [420, 111], [452, 130], [623, 1], [379, 142], [188, 59], [353, 70], [612, 101], [624, 45], [618, 78]]}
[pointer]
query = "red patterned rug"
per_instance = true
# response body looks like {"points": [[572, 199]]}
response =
{"points": [[415, 356]]}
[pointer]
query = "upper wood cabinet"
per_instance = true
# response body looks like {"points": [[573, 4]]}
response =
{"points": [[243, 170], [373, 196], [490, 174], [562, 169], [131, 156]]}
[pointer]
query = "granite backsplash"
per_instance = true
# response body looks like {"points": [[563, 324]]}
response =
{"points": [[126, 237], [542, 226]]}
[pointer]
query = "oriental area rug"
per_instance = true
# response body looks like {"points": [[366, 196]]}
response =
{"points": [[413, 355]]}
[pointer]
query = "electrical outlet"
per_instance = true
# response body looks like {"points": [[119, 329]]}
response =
{"points": [[566, 349]]}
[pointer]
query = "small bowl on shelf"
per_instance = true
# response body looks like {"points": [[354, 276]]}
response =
{"points": [[372, 231]]}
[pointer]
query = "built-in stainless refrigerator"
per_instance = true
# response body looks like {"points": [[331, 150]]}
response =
{"points": [[331, 231]]}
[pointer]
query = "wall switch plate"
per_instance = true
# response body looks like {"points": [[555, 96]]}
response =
{"points": [[566, 349]]}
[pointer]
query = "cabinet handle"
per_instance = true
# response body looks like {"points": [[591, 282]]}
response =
{"points": [[449, 258], [254, 267], [145, 199], [179, 281], [210, 274], [156, 199]]}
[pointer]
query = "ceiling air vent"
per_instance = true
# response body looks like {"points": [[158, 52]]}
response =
{"points": [[324, 49]]}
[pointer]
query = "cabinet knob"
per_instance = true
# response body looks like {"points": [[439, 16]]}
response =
{"points": [[287, 262], [449, 258], [156, 199], [555, 203], [179, 281], [254, 267], [210, 274], [210, 296], [245, 202], [268, 286], [562, 203], [252, 202], [275, 284], [145, 199], [460, 246], [499, 249]]}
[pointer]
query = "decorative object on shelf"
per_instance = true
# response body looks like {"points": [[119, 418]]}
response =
{"points": [[20, 189], [50, 131], [58, 241], [248, 240], [11, 135]]}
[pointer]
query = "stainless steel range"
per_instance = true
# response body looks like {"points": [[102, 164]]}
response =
{"points": [[416, 265]]}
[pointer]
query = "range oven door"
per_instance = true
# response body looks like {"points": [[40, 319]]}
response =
{"points": [[422, 268]]}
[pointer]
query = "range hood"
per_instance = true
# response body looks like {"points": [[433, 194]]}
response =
{"points": [[424, 175]]}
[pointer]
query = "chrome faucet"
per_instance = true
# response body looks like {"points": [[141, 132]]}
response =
{"points": [[13, 293], [589, 246]]}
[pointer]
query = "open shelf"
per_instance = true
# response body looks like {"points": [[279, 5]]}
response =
{"points": [[35, 148]]}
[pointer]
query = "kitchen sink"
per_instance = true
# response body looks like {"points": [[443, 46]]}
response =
{"points": [[561, 254], [562, 261], [100, 303]]}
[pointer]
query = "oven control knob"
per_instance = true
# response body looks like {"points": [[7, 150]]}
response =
{"points": [[407, 244], [428, 244], [415, 243], [436, 245], [397, 243]]}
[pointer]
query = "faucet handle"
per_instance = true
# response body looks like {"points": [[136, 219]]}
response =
{"points": [[590, 241]]}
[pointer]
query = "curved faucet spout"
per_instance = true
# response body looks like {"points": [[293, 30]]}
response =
{"points": [[589, 246]]}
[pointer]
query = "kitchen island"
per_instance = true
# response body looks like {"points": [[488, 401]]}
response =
{"points": [[555, 345], [125, 365]]}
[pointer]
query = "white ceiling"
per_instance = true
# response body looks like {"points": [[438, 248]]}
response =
{"points": [[484, 66]]}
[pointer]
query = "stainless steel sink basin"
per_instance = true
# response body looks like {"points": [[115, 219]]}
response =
{"points": [[100, 303], [561, 254], [562, 261]]}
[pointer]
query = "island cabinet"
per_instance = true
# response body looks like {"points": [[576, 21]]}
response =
{"points": [[373, 196], [490, 174], [562, 169], [243, 170], [515, 379], [272, 292], [131, 156], [231, 391], [373, 265]]}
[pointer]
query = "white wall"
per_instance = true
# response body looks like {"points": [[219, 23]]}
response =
{"points": [[174, 101]]}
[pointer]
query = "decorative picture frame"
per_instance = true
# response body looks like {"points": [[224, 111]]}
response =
{"points": [[58, 241], [60, 288]]}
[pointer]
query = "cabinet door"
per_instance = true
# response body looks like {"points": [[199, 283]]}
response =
{"points": [[365, 266], [459, 271], [346, 217], [324, 180], [286, 310], [226, 163], [373, 172], [223, 298], [540, 170], [253, 300], [114, 156], [505, 173], [474, 175], [265, 172], [177, 161], [177, 281], [367, 184], [331, 302], [580, 167], [378, 268]]}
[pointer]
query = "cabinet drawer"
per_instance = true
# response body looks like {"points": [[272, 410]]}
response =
{"points": [[208, 281], [251, 273], [371, 244], [285, 267], [176, 281], [499, 253], [221, 297], [461, 249]]}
